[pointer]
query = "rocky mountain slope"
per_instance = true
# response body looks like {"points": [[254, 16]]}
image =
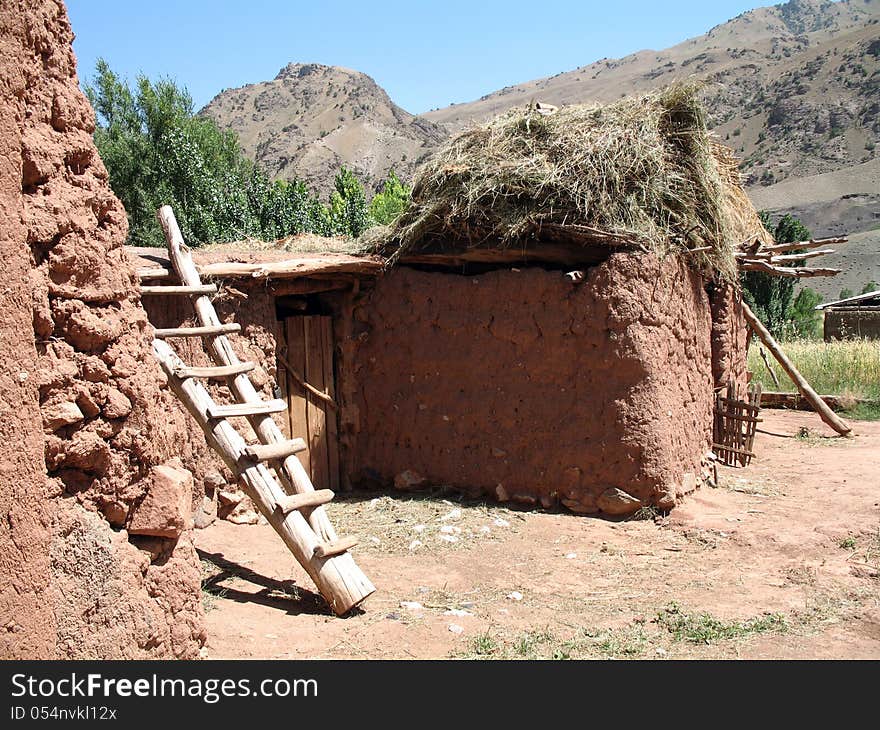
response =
{"points": [[793, 88], [310, 119], [845, 201]]}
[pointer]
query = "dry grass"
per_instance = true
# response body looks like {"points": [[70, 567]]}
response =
{"points": [[762, 487], [660, 637], [844, 368], [643, 171], [865, 554], [410, 523], [300, 243]]}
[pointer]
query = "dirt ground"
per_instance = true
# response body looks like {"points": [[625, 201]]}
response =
{"points": [[782, 560]]}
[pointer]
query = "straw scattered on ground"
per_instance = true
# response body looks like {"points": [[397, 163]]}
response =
{"points": [[419, 522]]}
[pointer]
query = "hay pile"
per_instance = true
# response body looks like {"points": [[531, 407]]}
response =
{"points": [[301, 243], [641, 172]]}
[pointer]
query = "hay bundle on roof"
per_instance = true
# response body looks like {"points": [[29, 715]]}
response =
{"points": [[641, 172]]}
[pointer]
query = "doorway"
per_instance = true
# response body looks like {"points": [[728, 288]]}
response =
{"points": [[306, 366]]}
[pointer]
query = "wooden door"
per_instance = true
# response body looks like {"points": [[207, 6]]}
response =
{"points": [[309, 342]]}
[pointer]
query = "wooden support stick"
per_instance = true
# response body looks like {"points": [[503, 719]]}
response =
{"points": [[341, 264], [813, 243], [767, 365], [264, 452], [206, 331], [247, 409], [800, 256], [295, 374], [734, 449], [157, 272], [203, 289], [337, 547], [339, 578], [825, 413], [215, 372], [759, 265]]}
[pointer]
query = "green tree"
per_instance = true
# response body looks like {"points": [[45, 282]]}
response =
{"points": [[159, 152], [846, 293], [349, 213], [804, 320], [869, 287], [772, 297], [386, 206], [788, 230]]}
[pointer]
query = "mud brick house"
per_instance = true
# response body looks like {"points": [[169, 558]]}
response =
{"points": [[522, 382], [551, 338], [856, 317], [575, 367]]}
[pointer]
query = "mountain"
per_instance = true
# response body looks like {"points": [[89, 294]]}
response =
{"points": [[311, 119], [846, 201], [793, 88]]}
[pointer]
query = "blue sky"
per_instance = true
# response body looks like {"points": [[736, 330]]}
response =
{"points": [[425, 55]]}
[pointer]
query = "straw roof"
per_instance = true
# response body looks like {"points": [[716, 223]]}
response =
{"points": [[641, 173]]}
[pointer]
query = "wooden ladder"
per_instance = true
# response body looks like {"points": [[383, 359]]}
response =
{"points": [[272, 475]]}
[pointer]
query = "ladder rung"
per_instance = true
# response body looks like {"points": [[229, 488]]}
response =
{"points": [[201, 289], [217, 329], [216, 371], [247, 409], [291, 502], [280, 450], [159, 272], [329, 549]]}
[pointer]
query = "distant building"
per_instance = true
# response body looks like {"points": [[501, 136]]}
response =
{"points": [[853, 318]]}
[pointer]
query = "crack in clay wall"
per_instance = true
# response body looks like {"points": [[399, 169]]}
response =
{"points": [[730, 336]]}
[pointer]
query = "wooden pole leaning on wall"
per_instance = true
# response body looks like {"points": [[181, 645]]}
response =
{"points": [[825, 413], [339, 575]]}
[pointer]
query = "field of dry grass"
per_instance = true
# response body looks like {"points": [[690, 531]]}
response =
{"points": [[846, 368]]}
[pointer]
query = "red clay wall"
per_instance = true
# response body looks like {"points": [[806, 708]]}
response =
{"points": [[27, 625], [87, 429], [729, 336], [522, 385]]}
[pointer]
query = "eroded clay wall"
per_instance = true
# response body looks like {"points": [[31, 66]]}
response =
{"points": [[103, 523], [27, 625], [729, 336], [525, 386]]}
